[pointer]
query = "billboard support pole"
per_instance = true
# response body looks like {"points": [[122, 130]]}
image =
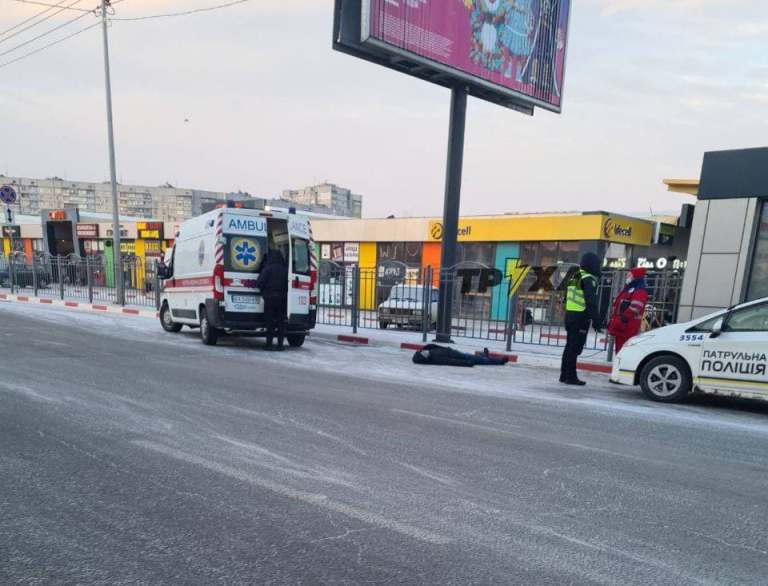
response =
{"points": [[451, 205]]}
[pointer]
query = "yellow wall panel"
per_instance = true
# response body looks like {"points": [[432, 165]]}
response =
{"points": [[368, 275]]}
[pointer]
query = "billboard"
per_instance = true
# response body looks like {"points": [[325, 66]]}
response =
{"points": [[510, 52]]}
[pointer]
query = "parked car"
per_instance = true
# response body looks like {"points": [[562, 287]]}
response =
{"points": [[22, 276], [405, 307], [725, 353]]}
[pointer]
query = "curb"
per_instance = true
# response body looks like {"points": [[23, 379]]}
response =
{"points": [[511, 358], [81, 306], [595, 367], [411, 346], [358, 340]]}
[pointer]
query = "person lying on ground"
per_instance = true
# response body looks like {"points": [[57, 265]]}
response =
{"points": [[442, 356]]}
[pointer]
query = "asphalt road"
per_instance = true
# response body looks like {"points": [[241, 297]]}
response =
{"points": [[131, 456]]}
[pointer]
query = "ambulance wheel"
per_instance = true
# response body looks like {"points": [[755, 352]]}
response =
{"points": [[666, 379], [208, 333], [166, 320], [296, 340]]}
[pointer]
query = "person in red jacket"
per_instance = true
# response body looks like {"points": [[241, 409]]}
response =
{"points": [[629, 308]]}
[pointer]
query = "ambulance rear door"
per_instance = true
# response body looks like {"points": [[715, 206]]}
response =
{"points": [[299, 266], [245, 246]]}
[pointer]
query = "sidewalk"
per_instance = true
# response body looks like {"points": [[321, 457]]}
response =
{"points": [[526, 354], [103, 307]]}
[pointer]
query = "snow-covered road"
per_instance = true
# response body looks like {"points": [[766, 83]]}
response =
{"points": [[135, 456]]}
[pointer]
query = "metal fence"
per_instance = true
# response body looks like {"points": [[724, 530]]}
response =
{"points": [[90, 278], [524, 306]]}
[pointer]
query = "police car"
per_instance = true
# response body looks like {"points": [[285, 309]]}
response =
{"points": [[725, 353]]}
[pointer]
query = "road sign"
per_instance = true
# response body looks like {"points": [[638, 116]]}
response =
{"points": [[7, 195]]}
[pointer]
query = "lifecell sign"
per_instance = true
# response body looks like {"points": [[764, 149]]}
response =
{"points": [[516, 47], [545, 228]]}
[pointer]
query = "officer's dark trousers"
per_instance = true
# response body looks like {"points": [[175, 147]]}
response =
{"points": [[274, 315], [576, 329]]}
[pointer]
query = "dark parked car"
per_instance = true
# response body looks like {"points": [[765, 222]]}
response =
{"points": [[22, 275]]}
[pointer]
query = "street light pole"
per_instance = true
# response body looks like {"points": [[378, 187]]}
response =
{"points": [[118, 261]]}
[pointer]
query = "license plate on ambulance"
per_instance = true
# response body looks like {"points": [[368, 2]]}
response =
{"points": [[250, 300]]}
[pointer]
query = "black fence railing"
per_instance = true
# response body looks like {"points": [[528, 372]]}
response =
{"points": [[523, 305], [90, 278], [526, 305]]}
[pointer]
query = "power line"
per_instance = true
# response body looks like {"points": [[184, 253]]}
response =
{"points": [[25, 21], [52, 5], [45, 34], [185, 12], [49, 45], [34, 24]]}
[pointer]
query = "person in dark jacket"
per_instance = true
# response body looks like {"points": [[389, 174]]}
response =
{"points": [[273, 284], [582, 308], [442, 356]]}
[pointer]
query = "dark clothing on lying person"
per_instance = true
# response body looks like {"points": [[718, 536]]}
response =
{"points": [[441, 356]]}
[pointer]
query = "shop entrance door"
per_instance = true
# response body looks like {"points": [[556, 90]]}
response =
{"points": [[60, 240]]}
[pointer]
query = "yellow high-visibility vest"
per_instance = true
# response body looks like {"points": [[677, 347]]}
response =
{"points": [[574, 300]]}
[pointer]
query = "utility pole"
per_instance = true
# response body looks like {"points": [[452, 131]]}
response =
{"points": [[118, 260]]}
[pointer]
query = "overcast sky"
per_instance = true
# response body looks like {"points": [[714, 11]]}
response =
{"points": [[650, 85]]}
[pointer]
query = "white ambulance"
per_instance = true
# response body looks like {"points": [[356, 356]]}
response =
{"points": [[210, 275], [725, 353]]}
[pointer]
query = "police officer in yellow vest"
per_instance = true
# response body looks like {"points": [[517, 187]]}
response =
{"points": [[582, 308]]}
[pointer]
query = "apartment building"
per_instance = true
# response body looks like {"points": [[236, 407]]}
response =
{"points": [[326, 198], [165, 202]]}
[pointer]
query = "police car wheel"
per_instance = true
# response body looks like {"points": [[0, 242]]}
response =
{"points": [[166, 320], [666, 379], [208, 333]]}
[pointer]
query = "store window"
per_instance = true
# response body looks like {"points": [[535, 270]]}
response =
{"points": [[398, 263], [405, 252], [548, 254], [568, 253], [529, 253], [476, 253], [758, 279]]}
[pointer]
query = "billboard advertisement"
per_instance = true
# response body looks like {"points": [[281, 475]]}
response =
{"points": [[515, 47]]}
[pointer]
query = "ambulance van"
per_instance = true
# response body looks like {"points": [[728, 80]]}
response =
{"points": [[210, 274]]}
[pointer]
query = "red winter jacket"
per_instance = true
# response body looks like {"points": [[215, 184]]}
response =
{"points": [[628, 310]]}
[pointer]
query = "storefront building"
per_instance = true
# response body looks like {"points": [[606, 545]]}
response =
{"points": [[68, 231], [728, 251], [497, 242]]}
